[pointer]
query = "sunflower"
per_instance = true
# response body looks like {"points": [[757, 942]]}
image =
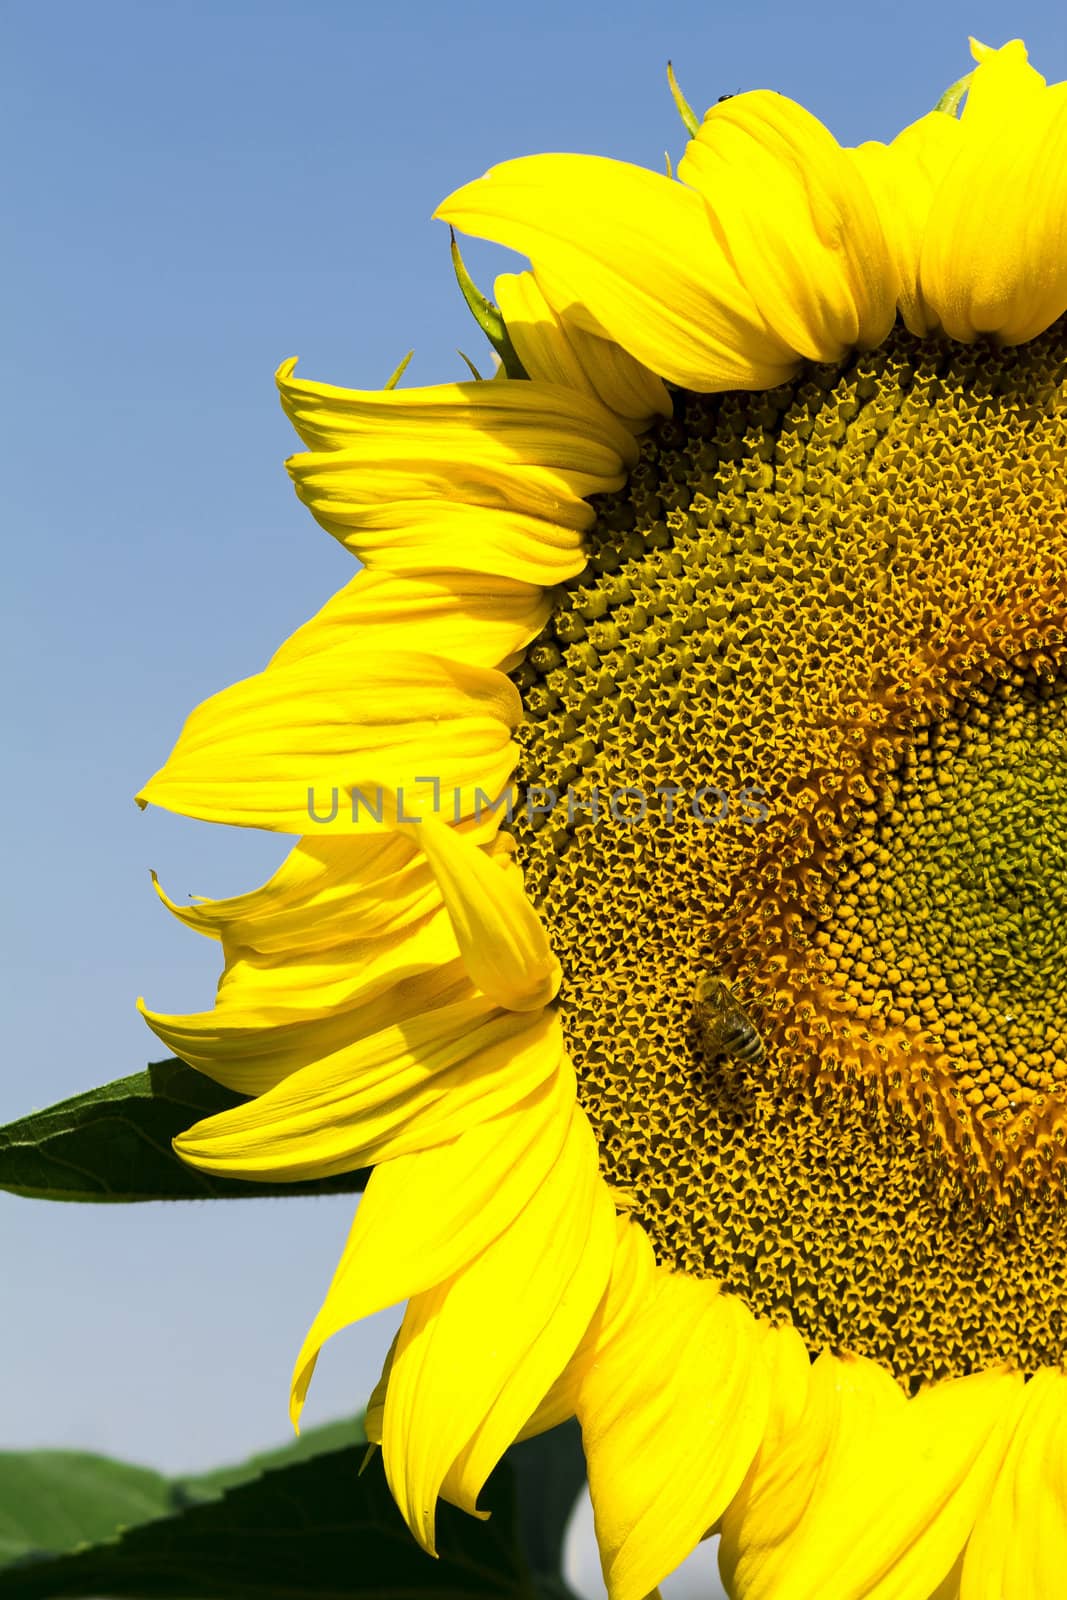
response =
{"points": [[677, 923]]}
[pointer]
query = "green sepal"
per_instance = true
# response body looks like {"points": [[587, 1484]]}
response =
{"points": [[392, 382], [952, 98], [487, 316], [113, 1144], [685, 110], [475, 374]]}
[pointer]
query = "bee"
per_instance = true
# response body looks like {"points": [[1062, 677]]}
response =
{"points": [[723, 1026]]}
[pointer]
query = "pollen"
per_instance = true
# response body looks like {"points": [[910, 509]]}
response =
{"points": [[801, 728]]}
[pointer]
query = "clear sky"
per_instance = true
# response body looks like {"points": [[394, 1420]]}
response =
{"points": [[196, 191]]}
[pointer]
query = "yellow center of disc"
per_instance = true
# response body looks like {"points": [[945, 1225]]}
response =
{"points": [[795, 812]]}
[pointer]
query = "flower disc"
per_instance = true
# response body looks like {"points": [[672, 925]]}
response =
{"points": [[801, 725]]}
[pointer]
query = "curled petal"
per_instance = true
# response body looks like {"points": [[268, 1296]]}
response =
{"points": [[630, 256], [484, 478], [250, 1053], [337, 485], [529, 424], [798, 220], [327, 891], [501, 937], [466, 477], [348, 936], [424, 532]]}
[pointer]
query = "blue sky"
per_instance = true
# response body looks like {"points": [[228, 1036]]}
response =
{"points": [[200, 191]]}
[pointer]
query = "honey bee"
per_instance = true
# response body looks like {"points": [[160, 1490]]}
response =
{"points": [[723, 1026]]}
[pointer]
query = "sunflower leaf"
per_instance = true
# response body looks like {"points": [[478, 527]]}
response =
{"points": [[549, 1473], [312, 1527], [56, 1500], [113, 1144], [344, 1434]]}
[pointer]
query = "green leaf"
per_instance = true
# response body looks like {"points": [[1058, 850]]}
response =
{"points": [[313, 1529], [549, 1474], [113, 1144], [346, 1433], [58, 1499]]}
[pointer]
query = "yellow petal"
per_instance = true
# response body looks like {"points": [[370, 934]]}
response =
{"points": [[488, 478], [500, 1426], [462, 470], [435, 534], [476, 1350], [672, 1413], [633, 1273], [631, 256], [826, 1410], [528, 424], [1019, 1544], [557, 351], [789, 1381], [327, 891], [345, 930], [348, 935], [798, 221], [251, 1056], [467, 616], [1003, 85], [993, 259], [314, 743], [424, 1216], [420, 1083], [501, 937], [889, 1497], [789, 1366], [903, 178], [274, 990]]}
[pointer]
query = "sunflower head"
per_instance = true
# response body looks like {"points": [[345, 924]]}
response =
{"points": [[678, 926]]}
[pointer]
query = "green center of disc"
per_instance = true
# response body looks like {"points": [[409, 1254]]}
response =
{"points": [[952, 896]]}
